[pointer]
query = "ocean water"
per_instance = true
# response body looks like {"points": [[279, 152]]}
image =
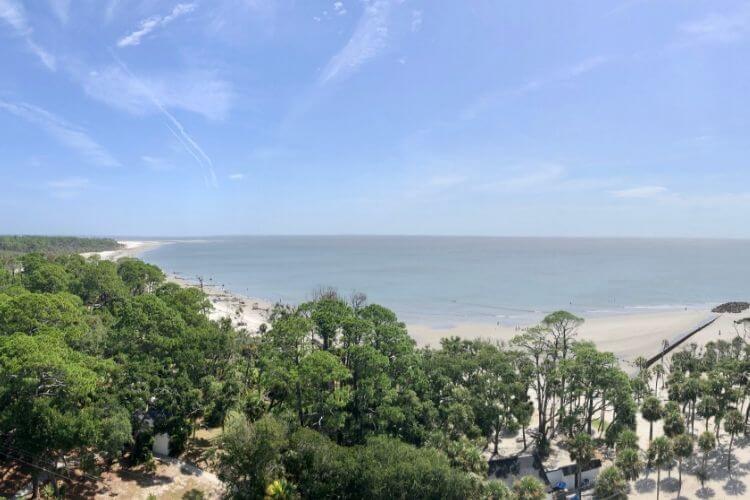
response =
{"points": [[442, 281]]}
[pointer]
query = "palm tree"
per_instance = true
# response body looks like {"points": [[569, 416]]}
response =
{"points": [[640, 362], [651, 411], [611, 484], [733, 424], [529, 488], [626, 439], [659, 372], [523, 413], [708, 407], [581, 450], [674, 424], [683, 448], [662, 454], [629, 462], [706, 442]]}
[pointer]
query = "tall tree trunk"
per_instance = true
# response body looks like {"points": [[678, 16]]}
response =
{"points": [[658, 482], [552, 418], [692, 417], [679, 468], [729, 454], [650, 432], [497, 438], [35, 485], [298, 390], [703, 476]]}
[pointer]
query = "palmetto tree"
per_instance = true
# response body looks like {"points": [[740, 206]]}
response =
{"points": [[529, 488], [629, 462], [626, 439], [674, 424], [659, 372], [683, 448], [708, 407], [581, 449], [662, 454], [611, 484], [733, 424], [706, 443], [651, 411]]}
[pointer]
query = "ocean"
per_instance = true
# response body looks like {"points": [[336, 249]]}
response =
{"points": [[441, 281]]}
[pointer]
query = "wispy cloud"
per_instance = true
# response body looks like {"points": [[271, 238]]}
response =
{"points": [[719, 28], [199, 92], [236, 177], [370, 37], [431, 187], [526, 178], [447, 180], [641, 192], [416, 20], [338, 8], [68, 134], [61, 8], [562, 75], [70, 183], [176, 128], [109, 11], [156, 163], [69, 187], [702, 199], [152, 23], [14, 14]]}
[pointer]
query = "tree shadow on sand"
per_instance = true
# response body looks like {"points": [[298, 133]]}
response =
{"points": [[735, 487], [706, 492], [143, 479], [670, 484], [645, 485]]}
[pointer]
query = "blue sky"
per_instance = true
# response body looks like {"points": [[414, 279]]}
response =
{"points": [[480, 117]]}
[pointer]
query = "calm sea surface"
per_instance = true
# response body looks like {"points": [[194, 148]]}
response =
{"points": [[446, 280]]}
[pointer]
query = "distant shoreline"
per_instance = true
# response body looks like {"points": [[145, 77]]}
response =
{"points": [[131, 248], [244, 312], [628, 334]]}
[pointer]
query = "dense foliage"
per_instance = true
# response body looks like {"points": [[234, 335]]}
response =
{"points": [[332, 398], [96, 356], [55, 244]]}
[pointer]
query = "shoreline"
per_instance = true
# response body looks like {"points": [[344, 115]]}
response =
{"points": [[627, 336], [131, 248], [247, 313], [632, 332]]}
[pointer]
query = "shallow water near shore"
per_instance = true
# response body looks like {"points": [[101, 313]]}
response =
{"points": [[443, 281]]}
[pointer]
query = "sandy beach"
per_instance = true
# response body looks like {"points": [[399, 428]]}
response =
{"points": [[626, 335], [130, 248], [244, 312]]}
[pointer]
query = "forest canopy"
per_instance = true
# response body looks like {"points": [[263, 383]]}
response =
{"points": [[332, 397], [54, 244]]}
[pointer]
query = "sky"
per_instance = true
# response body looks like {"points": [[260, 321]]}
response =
{"points": [[466, 117]]}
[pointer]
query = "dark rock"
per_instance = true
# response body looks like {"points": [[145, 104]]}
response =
{"points": [[731, 307]]}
